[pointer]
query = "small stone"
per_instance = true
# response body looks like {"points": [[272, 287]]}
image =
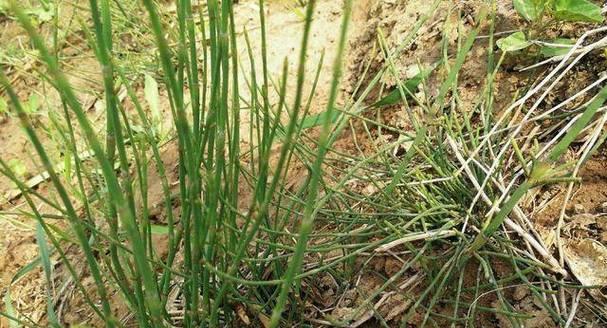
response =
{"points": [[579, 209], [520, 292], [349, 297], [392, 266]]}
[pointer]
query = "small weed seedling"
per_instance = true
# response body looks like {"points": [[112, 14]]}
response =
{"points": [[542, 14]]}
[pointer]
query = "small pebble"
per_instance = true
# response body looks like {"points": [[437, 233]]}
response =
{"points": [[579, 209]]}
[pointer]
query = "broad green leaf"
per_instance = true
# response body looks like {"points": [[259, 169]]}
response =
{"points": [[513, 42], [311, 121], [26, 269], [18, 167], [33, 104], [42, 14], [159, 229], [409, 87], [151, 94], [577, 11], [561, 147], [153, 100], [529, 9], [561, 47], [3, 106], [10, 310], [45, 256]]}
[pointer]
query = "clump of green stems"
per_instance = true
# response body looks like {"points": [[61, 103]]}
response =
{"points": [[220, 254], [206, 109]]}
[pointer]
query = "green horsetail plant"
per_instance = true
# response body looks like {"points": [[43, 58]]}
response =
{"points": [[229, 249], [310, 210], [71, 212], [211, 233]]}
